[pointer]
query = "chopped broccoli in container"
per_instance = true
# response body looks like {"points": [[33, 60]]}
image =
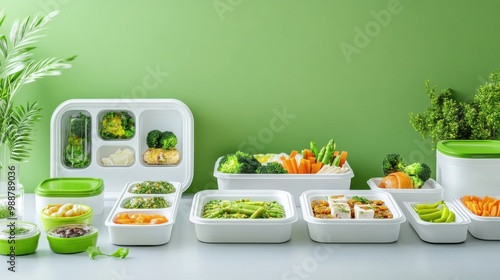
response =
{"points": [[272, 167], [239, 162], [117, 125], [419, 173], [392, 163]]}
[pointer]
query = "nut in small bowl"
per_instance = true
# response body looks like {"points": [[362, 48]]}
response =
{"points": [[436, 229], [73, 238], [64, 214]]}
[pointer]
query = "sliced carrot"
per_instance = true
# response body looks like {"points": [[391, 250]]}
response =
{"points": [[493, 211], [311, 159], [315, 167], [308, 166], [294, 165], [293, 153], [302, 166], [343, 158]]}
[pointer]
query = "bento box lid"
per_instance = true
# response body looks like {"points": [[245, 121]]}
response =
{"points": [[164, 114], [70, 187]]}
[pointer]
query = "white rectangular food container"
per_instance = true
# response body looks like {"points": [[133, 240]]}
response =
{"points": [[149, 114], [243, 230], [455, 232], [486, 228], [431, 191], [295, 184], [150, 234], [352, 230], [465, 167]]}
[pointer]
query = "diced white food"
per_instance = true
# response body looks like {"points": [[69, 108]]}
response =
{"points": [[340, 210], [363, 211]]}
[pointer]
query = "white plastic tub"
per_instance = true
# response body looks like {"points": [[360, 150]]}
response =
{"points": [[486, 228], [243, 230], [465, 167], [352, 230], [455, 232], [150, 234], [431, 191], [295, 184], [149, 114]]}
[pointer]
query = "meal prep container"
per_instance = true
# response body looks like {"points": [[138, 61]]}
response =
{"points": [[352, 230], [431, 191], [88, 191], [26, 241], [243, 230], [150, 234], [295, 184], [50, 222], [468, 166], [69, 245], [148, 114], [486, 228], [455, 232]]}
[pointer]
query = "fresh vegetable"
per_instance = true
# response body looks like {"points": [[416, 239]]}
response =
{"points": [[243, 209], [419, 173], [271, 168], [168, 140], [140, 219], [152, 187], [396, 180], [238, 162], [121, 253], [146, 202], [448, 118], [117, 125], [487, 206], [153, 139], [361, 199], [77, 151], [437, 212], [392, 163]]}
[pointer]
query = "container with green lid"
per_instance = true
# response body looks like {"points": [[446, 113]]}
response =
{"points": [[18, 238], [468, 167], [78, 190]]}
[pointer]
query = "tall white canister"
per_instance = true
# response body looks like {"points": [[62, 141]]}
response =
{"points": [[468, 167]]}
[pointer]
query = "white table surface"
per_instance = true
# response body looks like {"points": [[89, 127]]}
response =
{"points": [[184, 257]]}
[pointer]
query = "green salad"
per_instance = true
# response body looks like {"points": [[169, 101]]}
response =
{"points": [[153, 187]]}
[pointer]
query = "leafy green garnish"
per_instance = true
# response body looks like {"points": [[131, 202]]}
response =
{"points": [[361, 199], [121, 253]]}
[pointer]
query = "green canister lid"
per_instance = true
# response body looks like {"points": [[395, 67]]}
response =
{"points": [[70, 187], [470, 148]]}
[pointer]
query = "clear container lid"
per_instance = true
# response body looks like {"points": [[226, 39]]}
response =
{"points": [[20, 230], [70, 187], [470, 148]]}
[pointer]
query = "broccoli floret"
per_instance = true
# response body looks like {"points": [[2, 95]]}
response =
{"points": [[239, 162], [421, 171], [153, 139], [271, 168], [168, 140], [117, 125], [392, 163]]}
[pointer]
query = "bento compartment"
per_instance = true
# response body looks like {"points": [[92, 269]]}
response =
{"points": [[76, 139], [153, 187], [116, 124], [141, 217], [145, 202], [115, 156], [161, 138]]}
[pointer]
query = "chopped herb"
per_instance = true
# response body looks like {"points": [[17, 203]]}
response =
{"points": [[361, 199]]}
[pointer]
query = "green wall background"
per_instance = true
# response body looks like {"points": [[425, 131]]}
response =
{"points": [[348, 70]]}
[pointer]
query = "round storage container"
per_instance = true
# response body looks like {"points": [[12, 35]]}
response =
{"points": [[468, 167], [25, 234], [88, 191]]}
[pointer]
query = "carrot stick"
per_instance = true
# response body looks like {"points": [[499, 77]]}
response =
{"points": [[293, 154], [312, 159], [343, 158], [302, 166], [294, 165], [315, 167], [308, 166]]}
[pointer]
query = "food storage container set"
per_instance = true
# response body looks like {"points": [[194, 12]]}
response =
{"points": [[89, 183]]}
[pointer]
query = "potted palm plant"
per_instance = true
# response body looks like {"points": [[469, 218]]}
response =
{"points": [[18, 67]]}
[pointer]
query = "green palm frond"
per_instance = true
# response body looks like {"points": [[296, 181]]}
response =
{"points": [[17, 68], [20, 130]]}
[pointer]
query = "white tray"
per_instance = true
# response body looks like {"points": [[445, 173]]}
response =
{"points": [[161, 114]]}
